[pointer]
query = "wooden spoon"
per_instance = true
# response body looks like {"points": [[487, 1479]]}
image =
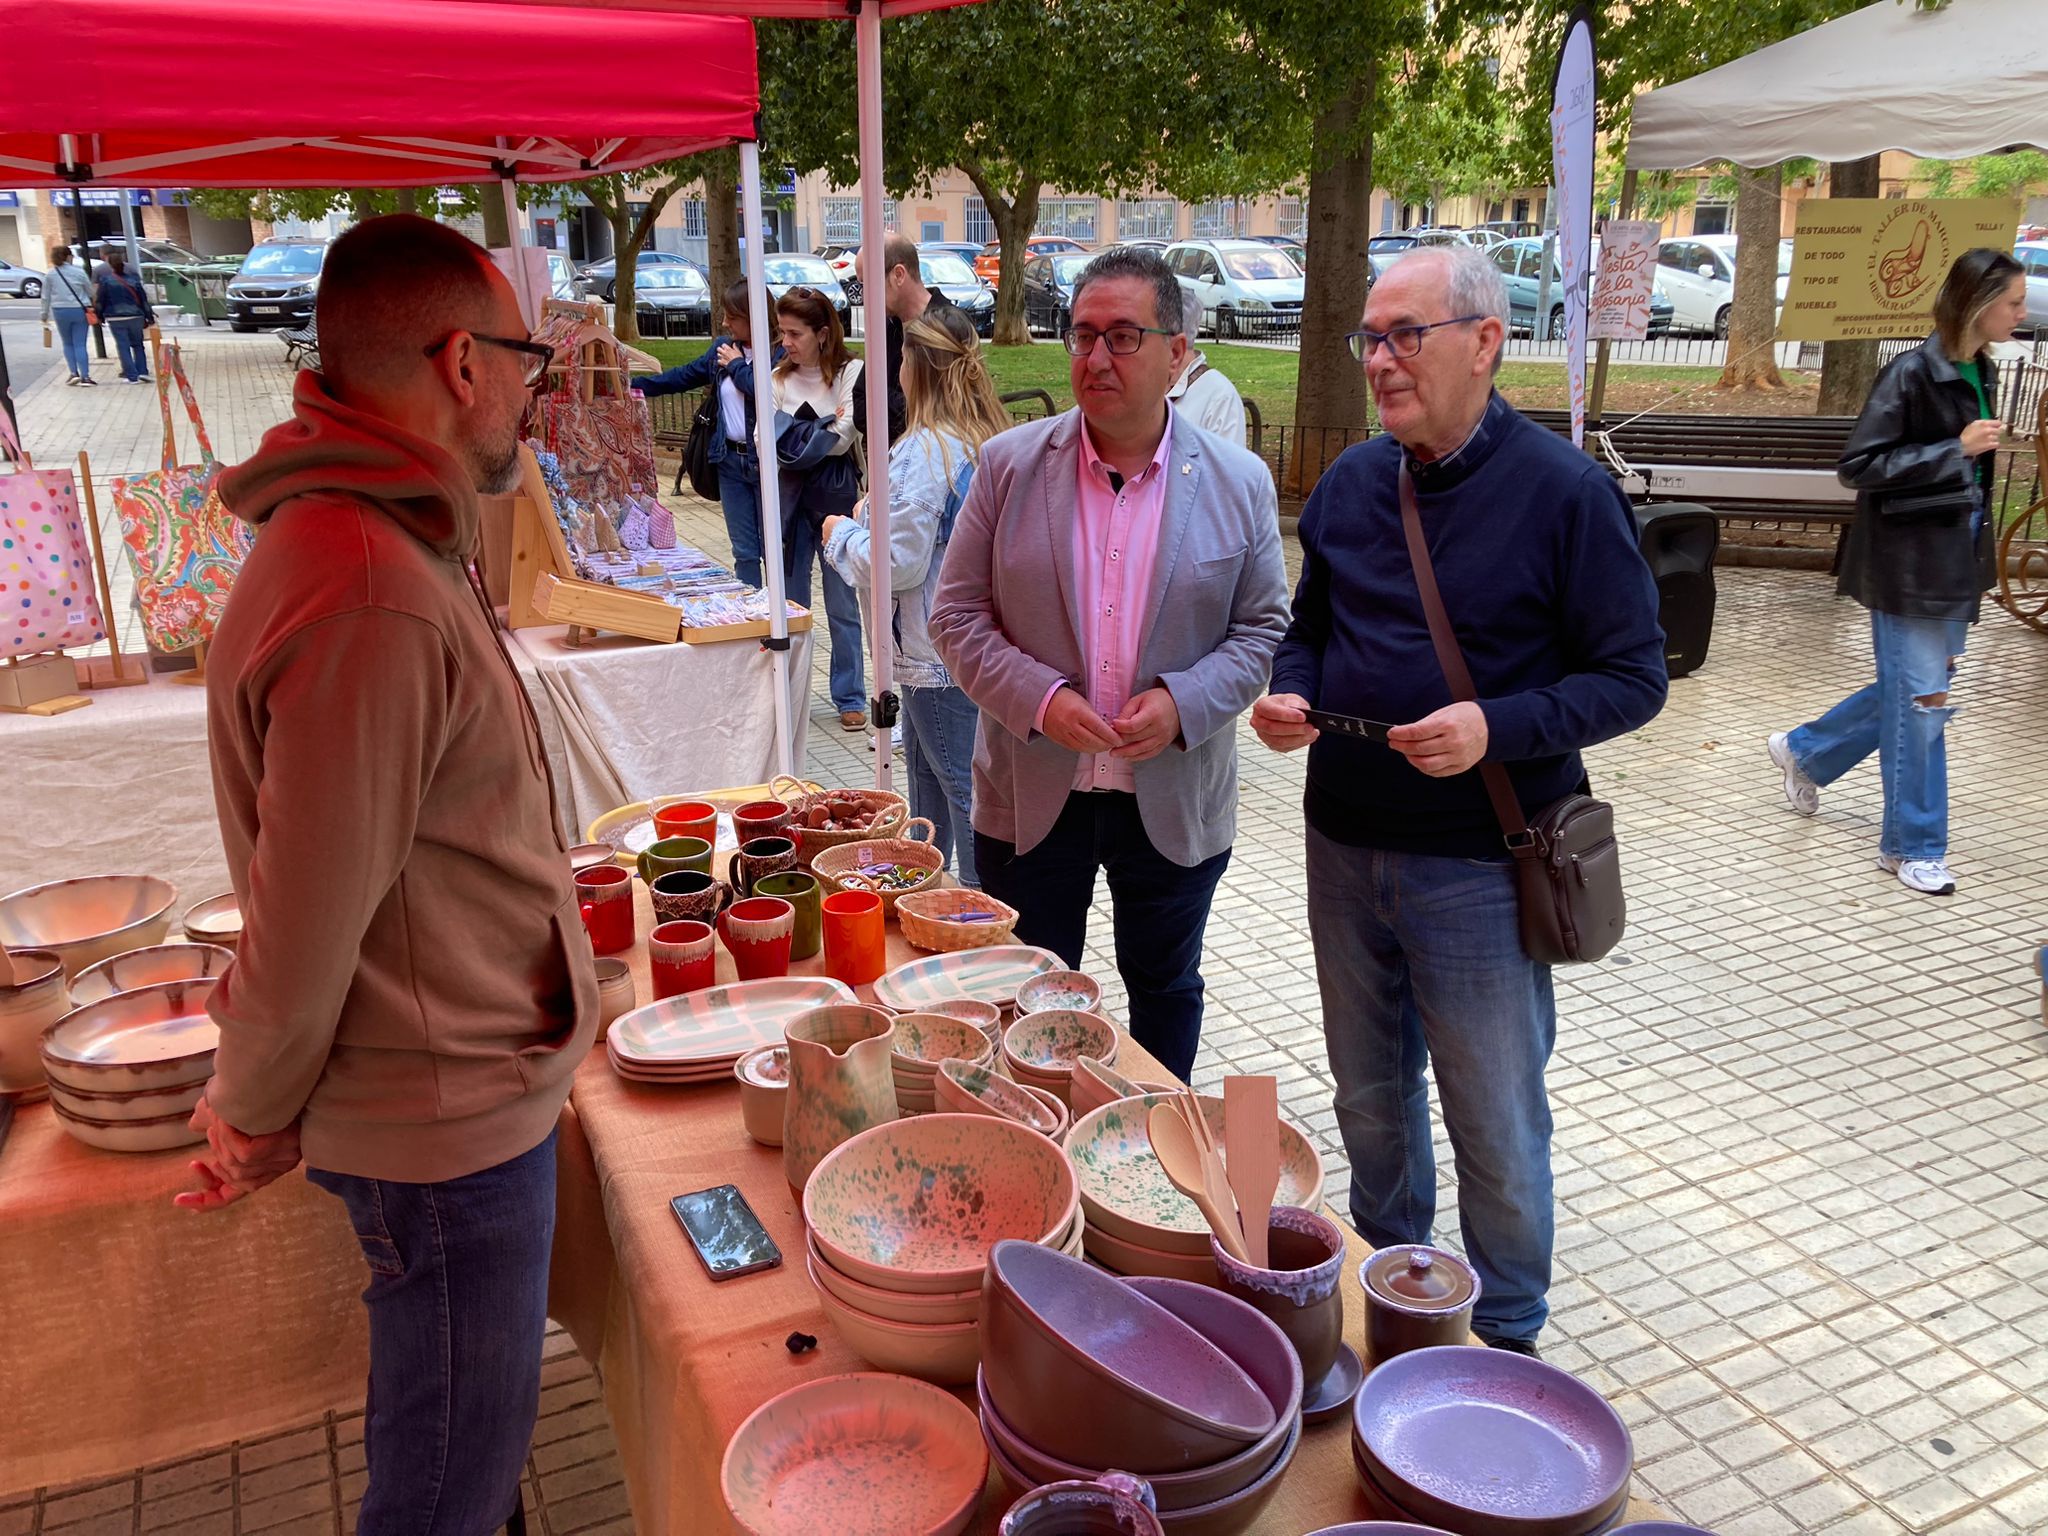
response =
{"points": [[1174, 1145], [1251, 1147]]}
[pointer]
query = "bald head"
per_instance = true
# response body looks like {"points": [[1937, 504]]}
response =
{"points": [[393, 286]]}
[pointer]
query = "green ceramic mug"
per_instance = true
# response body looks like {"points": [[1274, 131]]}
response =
{"points": [[800, 891], [673, 853]]}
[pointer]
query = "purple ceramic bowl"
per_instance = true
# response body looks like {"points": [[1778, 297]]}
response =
{"points": [[1378, 1528], [1085, 1368], [1660, 1528]]}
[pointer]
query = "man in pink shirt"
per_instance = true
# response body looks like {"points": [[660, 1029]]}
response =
{"points": [[1111, 600]]}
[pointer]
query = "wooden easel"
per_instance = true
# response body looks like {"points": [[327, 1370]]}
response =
{"points": [[109, 671]]}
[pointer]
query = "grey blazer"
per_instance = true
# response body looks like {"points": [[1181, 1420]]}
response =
{"points": [[1005, 618]]}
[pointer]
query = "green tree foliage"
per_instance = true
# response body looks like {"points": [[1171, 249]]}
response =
{"points": [[2007, 175]]}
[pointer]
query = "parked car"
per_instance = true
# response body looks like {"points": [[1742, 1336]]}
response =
{"points": [[1145, 243], [1242, 285], [1049, 290], [1512, 229], [967, 250], [600, 279], [944, 268], [668, 299], [784, 272], [275, 284], [1698, 274], [22, 282], [988, 266], [153, 253], [2032, 255], [1521, 265], [1382, 251], [562, 277]]}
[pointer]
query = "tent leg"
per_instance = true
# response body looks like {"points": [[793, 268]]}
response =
{"points": [[764, 451], [875, 375]]}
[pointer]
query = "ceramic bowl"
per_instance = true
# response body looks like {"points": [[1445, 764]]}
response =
{"points": [[1381, 1528], [1055, 1106], [151, 1104], [153, 1037], [965, 1088], [216, 920], [1096, 1083], [1128, 1195], [854, 1454], [764, 1092], [146, 967], [86, 920], [1049, 1043], [156, 1134], [1658, 1528], [923, 1040], [1085, 1368], [1128, 1258], [33, 996], [986, 1017], [591, 855], [1114, 1504], [946, 1353], [1074, 991], [893, 1306], [914, 1205]]}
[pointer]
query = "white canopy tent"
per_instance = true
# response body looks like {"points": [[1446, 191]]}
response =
{"points": [[1969, 79]]}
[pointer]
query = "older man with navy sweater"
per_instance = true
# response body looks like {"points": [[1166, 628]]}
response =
{"points": [[1411, 891]]}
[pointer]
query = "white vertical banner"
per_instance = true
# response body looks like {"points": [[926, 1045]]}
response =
{"points": [[1571, 173]]}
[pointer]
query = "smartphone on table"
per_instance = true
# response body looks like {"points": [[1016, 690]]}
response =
{"points": [[727, 1235]]}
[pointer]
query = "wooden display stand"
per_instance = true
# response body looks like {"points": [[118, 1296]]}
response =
{"points": [[40, 685]]}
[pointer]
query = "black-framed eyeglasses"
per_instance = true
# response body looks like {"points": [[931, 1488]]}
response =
{"points": [[1402, 340], [1123, 339], [538, 355]]}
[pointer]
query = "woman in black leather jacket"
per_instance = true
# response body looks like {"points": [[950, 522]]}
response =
{"points": [[1919, 557]]}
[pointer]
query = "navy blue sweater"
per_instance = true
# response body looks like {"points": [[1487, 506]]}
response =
{"points": [[1535, 553]]}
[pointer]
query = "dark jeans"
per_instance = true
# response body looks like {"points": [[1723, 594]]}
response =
{"points": [[127, 331], [938, 760], [842, 616], [1159, 909], [740, 496], [458, 1304]]}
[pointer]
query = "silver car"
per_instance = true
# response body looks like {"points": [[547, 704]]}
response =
{"points": [[2031, 255], [22, 282], [1244, 286]]}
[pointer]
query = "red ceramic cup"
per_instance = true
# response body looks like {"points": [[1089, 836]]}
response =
{"points": [[757, 931], [854, 945], [688, 818], [605, 897], [760, 818], [682, 957]]}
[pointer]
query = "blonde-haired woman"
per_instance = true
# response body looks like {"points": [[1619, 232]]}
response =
{"points": [[952, 409]]}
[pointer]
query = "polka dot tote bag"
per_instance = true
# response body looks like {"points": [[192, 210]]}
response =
{"points": [[48, 597]]}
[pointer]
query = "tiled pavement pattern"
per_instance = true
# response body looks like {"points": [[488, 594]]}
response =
{"points": [[1803, 1228]]}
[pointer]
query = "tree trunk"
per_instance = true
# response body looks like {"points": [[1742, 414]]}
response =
{"points": [[722, 233], [408, 199], [1014, 220], [625, 262], [497, 230], [1332, 404], [1752, 364], [1848, 368]]}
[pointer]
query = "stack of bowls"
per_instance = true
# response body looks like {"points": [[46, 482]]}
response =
{"points": [[1486, 1442], [986, 1017], [1181, 1385], [1096, 1084], [920, 1041], [901, 1219], [1041, 1049], [970, 1088], [216, 920], [147, 967], [85, 920], [125, 1072]]}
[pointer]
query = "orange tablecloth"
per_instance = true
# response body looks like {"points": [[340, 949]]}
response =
{"points": [[685, 1360]]}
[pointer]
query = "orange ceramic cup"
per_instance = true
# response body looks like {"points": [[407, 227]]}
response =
{"points": [[688, 818], [854, 948]]}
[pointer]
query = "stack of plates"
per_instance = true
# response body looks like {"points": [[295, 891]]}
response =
{"points": [[1485, 1442], [1138, 1223], [991, 974], [699, 1036], [125, 1072]]}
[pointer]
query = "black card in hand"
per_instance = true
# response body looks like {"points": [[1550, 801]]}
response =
{"points": [[1348, 725]]}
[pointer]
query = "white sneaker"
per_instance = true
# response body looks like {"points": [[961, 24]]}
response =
{"points": [[1930, 877], [1801, 793]]}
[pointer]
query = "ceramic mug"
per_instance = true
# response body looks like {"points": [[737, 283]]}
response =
{"points": [[1299, 1289], [800, 891], [757, 932], [855, 951], [670, 854], [760, 818], [34, 994], [762, 856], [688, 894], [681, 957], [1116, 1504], [616, 993], [605, 898], [687, 818]]}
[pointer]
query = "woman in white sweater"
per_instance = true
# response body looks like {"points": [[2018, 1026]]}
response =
{"points": [[816, 371]]}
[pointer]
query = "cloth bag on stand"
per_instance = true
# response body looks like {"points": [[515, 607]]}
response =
{"points": [[606, 441], [48, 597], [183, 543]]}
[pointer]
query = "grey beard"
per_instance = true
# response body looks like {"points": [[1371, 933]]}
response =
{"points": [[497, 475]]}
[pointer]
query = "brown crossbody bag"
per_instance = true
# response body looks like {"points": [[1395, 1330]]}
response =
{"points": [[1567, 864]]}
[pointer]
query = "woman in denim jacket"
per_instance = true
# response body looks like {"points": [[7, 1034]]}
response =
{"points": [[124, 305]]}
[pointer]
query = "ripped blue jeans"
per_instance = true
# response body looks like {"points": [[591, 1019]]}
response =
{"points": [[1916, 661]]}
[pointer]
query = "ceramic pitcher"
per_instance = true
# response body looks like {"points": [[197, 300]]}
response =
{"points": [[840, 1083]]}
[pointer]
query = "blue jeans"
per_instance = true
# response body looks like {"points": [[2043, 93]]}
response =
{"points": [[1160, 910], [740, 496], [1915, 660], [71, 329], [842, 615], [938, 758], [458, 1305], [128, 341], [1420, 963]]}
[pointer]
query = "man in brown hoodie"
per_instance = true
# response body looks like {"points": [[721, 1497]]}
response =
{"points": [[412, 989]]}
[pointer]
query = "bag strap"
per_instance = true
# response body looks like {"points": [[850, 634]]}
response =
{"points": [[11, 442], [176, 370], [1499, 788]]}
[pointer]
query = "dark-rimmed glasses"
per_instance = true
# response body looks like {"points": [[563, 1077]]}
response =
{"points": [[538, 355], [1402, 340], [1123, 339]]}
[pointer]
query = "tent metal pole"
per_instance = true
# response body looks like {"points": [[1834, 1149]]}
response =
{"points": [[764, 450], [875, 376], [522, 280]]}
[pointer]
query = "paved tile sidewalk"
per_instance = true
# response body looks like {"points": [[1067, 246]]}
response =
{"points": [[1801, 1114]]}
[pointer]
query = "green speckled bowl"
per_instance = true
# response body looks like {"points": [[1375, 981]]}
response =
{"points": [[1049, 1043], [923, 1040], [915, 1205], [1128, 1195], [972, 1088]]}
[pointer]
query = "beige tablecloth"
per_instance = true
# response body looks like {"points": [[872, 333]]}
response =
{"points": [[684, 1360]]}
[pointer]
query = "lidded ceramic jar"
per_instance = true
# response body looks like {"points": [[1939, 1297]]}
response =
{"points": [[1416, 1297]]}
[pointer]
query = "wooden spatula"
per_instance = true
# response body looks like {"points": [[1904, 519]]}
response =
{"points": [[1174, 1145], [1251, 1148]]}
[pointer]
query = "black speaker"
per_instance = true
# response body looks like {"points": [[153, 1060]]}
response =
{"points": [[1678, 539]]}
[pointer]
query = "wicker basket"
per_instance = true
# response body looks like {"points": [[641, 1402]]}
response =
{"points": [[838, 869], [812, 841], [922, 916]]}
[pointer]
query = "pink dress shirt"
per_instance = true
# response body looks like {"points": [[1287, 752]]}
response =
{"points": [[1116, 547]]}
